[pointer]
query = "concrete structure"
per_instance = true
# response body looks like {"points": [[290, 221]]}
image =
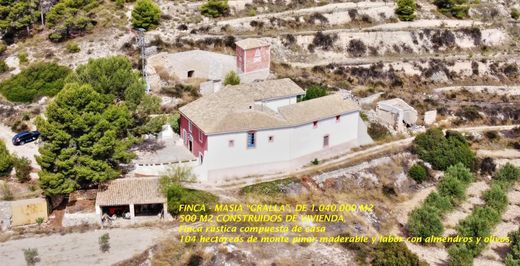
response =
{"points": [[136, 196], [430, 117], [24, 212], [396, 113], [253, 55], [252, 63], [261, 128]]}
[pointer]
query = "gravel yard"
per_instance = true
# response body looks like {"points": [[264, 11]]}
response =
{"points": [[81, 248]]}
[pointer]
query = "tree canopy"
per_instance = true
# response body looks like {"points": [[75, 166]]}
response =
{"points": [[146, 14], [40, 79], [84, 140], [113, 77], [91, 124]]}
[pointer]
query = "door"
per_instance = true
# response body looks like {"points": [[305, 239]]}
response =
{"points": [[325, 141]]}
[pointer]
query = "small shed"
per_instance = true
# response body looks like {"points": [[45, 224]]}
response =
{"points": [[27, 211], [136, 196], [396, 113]]}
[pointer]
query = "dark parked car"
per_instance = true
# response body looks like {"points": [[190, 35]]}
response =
{"points": [[25, 137]]}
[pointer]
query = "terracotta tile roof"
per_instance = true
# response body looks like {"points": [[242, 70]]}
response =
{"points": [[236, 108], [131, 191], [250, 43]]}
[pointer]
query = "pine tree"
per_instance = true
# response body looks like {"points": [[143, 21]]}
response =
{"points": [[146, 15], [406, 10]]}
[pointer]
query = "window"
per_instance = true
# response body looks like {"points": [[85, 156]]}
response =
{"points": [[315, 124], [251, 140], [338, 118], [190, 73], [325, 141], [231, 143], [189, 126], [200, 136], [271, 138]]}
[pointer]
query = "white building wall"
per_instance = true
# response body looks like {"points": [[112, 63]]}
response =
{"points": [[220, 155], [274, 104], [308, 139], [287, 144]]}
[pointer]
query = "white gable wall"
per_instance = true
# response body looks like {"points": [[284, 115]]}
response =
{"points": [[288, 143]]}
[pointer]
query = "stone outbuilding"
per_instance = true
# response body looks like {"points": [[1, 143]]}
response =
{"points": [[251, 63], [131, 198], [396, 113]]}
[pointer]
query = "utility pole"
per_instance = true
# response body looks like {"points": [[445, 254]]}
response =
{"points": [[141, 44]]}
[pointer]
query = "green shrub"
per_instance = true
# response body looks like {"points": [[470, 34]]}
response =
{"points": [[6, 160], [251, 12], [40, 79], [456, 8], [72, 47], [405, 10], [442, 151], [22, 56], [513, 257], [508, 173], [435, 200], [314, 91], [474, 226], [173, 120], [232, 78], [104, 242], [31, 256], [40, 220], [460, 172], [178, 195], [3, 47], [268, 188], [418, 172], [515, 14], [487, 213], [451, 188], [3, 66], [496, 198], [215, 8], [460, 255], [56, 37], [386, 254], [23, 169], [425, 222], [377, 131], [146, 14]]}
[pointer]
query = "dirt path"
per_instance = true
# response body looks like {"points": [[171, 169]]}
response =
{"points": [[28, 150], [81, 248]]}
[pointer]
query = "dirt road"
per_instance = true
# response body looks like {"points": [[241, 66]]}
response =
{"points": [[81, 248], [28, 150]]}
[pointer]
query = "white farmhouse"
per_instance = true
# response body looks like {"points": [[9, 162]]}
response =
{"points": [[260, 128]]}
